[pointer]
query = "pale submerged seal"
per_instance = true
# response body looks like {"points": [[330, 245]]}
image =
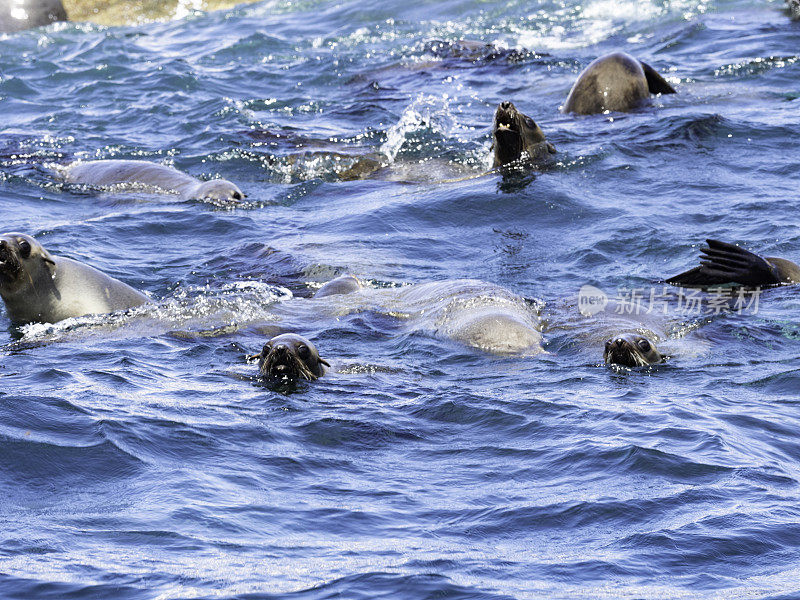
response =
{"points": [[346, 284], [631, 350], [614, 82], [38, 286], [722, 263], [16, 15], [290, 356], [516, 136], [133, 172]]}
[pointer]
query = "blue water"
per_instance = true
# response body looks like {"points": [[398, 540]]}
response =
{"points": [[140, 457]]}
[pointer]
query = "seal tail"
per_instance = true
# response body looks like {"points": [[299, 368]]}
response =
{"points": [[655, 82]]}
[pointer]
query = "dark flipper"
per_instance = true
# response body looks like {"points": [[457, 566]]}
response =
{"points": [[655, 82], [725, 263]]}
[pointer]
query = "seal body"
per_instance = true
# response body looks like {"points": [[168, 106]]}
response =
{"points": [[16, 15], [516, 136], [346, 284], [133, 172], [478, 314], [38, 286], [615, 82], [290, 356]]}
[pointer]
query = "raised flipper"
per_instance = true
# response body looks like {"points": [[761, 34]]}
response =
{"points": [[725, 263], [655, 82]]}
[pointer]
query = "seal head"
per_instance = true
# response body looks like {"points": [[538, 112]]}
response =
{"points": [[218, 190], [21, 254], [290, 356], [516, 136], [631, 350]]}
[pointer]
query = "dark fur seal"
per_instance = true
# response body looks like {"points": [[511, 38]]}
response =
{"points": [[16, 15], [290, 356], [516, 136], [614, 82], [631, 350], [120, 172], [38, 286], [723, 263]]}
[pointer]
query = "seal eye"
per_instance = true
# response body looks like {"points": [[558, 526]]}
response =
{"points": [[530, 122], [644, 345], [237, 196], [24, 248], [302, 352]]}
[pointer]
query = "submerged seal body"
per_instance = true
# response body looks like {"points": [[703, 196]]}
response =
{"points": [[346, 284], [516, 136], [38, 286], [290, 356], [476, 313], [16, 15], [121, 172], [631, 350], [723, 263], [614, 82]]}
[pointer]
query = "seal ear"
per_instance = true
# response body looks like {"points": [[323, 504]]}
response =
{"points": [[48, 260], [551, 149], [322, 361], [655, 82]]}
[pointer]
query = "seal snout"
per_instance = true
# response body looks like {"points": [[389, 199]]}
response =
{"points": [[9, 262]]}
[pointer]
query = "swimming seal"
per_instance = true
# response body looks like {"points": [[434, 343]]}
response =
{"points": [[794, 9], [38, 286], [346, 284], [120, 172], [516, 136], [16, 15], [290, 356], [615, 82], [723, 263], [631, 350]]}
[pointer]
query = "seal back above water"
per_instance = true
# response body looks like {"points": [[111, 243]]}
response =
{"points": [[614, 82], [162, 177]]}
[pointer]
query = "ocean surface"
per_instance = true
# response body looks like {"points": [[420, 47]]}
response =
{"points": [[141, 457]]}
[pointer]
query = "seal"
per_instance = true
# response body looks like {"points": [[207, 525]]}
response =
{"points": [[631, 350], [615, 82], [133, 172], [793, 6], [722, 263], [516, 136], [346, 284], [16, 15], [475, 313], [38, 286], [290, 356]]}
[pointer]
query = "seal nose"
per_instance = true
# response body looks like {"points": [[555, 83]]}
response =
{"points": [[505, 105], [619, 342]]}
